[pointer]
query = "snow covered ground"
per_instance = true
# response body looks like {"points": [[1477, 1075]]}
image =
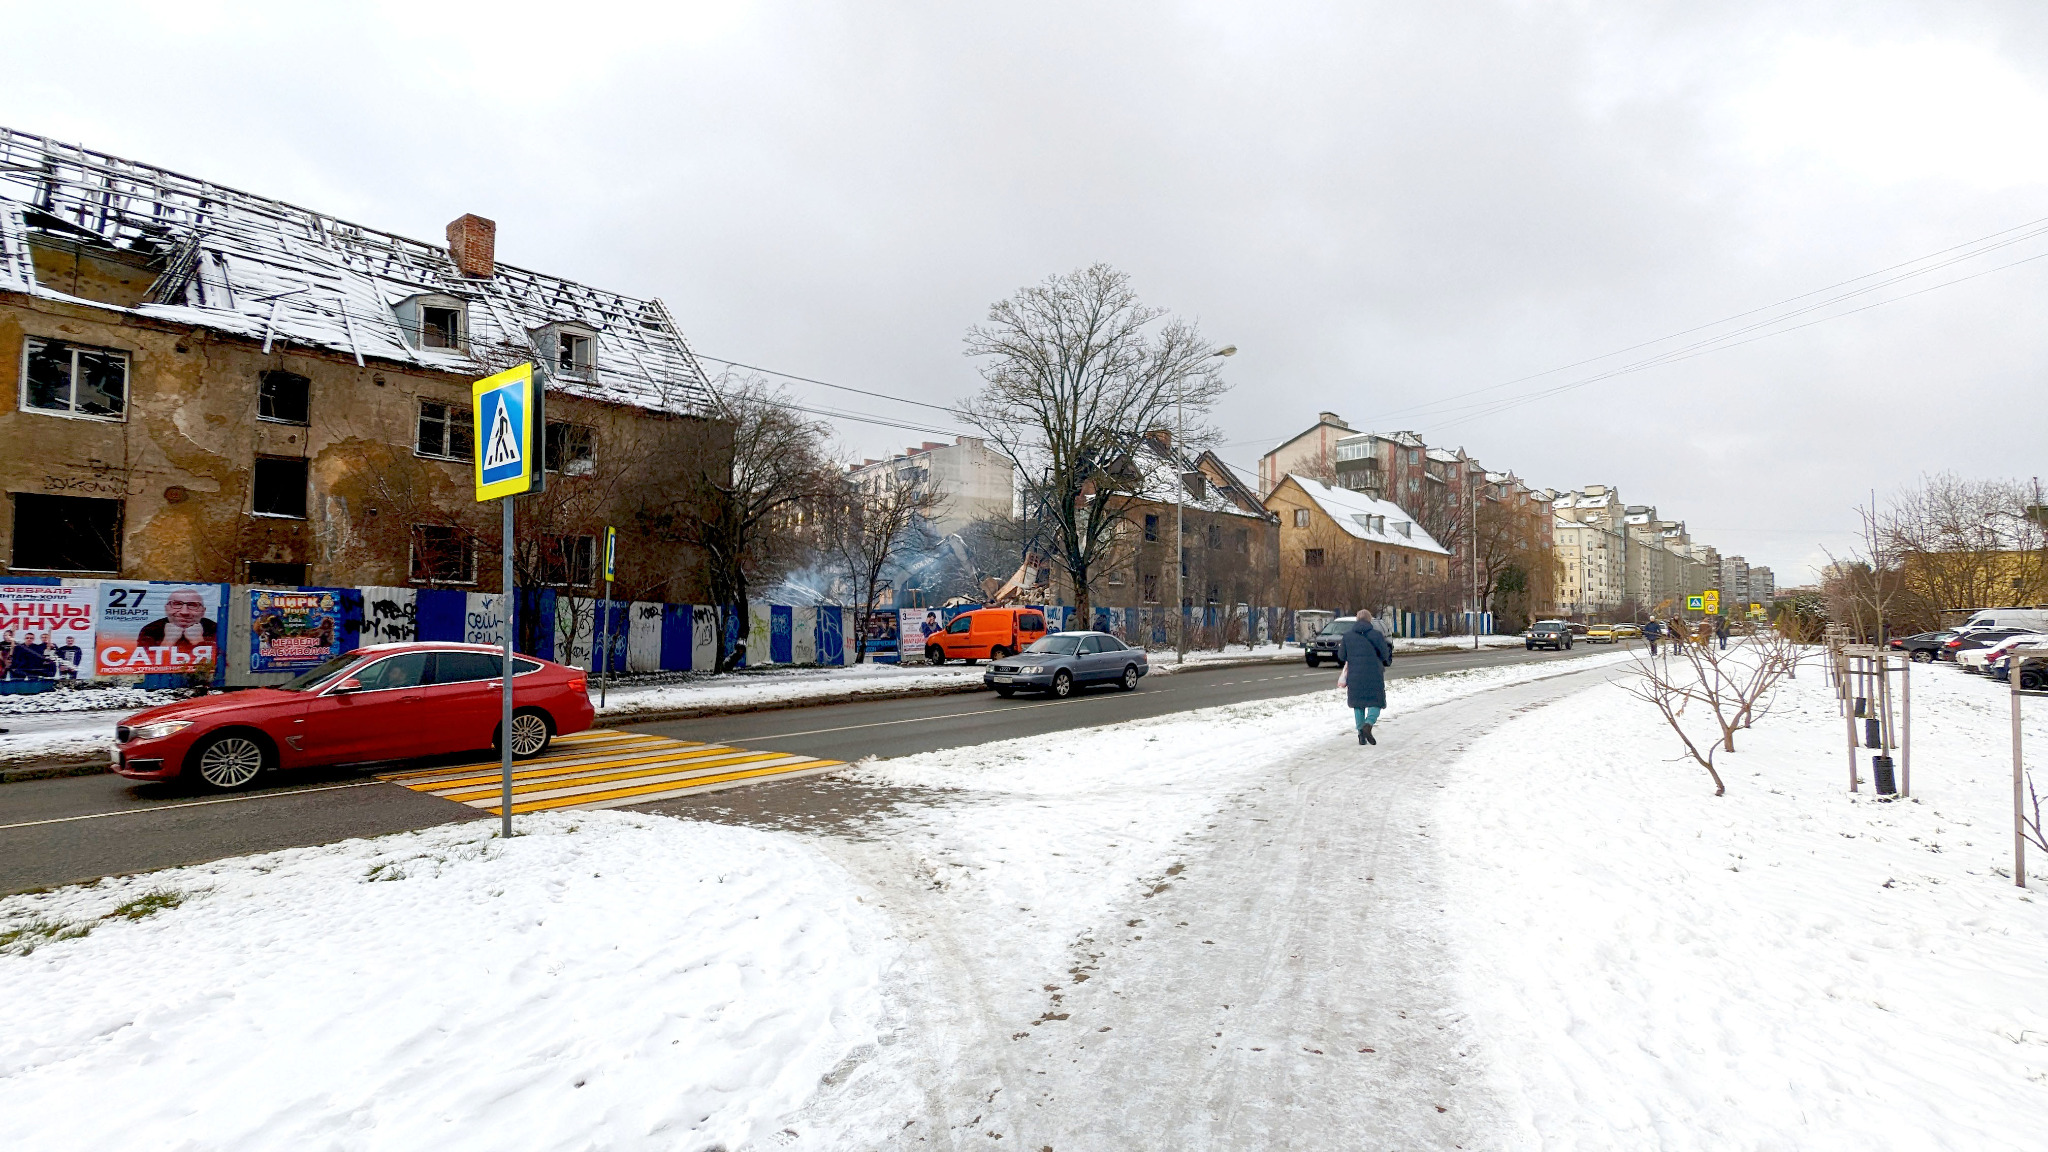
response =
{"points": [[1788, 966], [606, 980]]}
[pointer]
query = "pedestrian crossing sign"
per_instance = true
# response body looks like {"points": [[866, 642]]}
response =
{"points": [[1695, 603], [506, 424]]}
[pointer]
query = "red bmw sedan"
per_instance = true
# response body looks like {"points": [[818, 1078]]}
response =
{"points": [[386, 702]]}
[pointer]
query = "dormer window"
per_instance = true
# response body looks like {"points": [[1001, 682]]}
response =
{"points": [[432, 320], [570, 347]]}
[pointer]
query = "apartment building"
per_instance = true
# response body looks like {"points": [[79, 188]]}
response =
{"points": [[973, 481], [1312, 452]]}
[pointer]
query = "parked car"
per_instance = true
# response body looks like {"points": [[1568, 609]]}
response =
{"points": [[1600, 634], [1328, 644], [1970, 640], [2033, 676], [1553, 634], [1578, 629], [1923, 646], [2031, 619], [384, 702], [1978, 659], [1627, 632], [1065, 661], [985, 634]]}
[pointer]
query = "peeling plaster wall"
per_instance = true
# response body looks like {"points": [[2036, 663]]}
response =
{"points": [[183, 460]]}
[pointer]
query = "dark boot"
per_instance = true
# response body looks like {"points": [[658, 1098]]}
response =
{"points": [[1365, 735]]}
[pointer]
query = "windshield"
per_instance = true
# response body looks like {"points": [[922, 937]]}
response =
{"points": [[1338, 627], [1061, 645], [306, 681]]}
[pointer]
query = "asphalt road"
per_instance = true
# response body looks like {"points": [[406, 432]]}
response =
{"points": [[78, 828]]}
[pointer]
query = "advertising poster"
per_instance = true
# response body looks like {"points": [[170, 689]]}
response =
{"points": [[46, 632], [881, 630], [915, 626], [153, 629], [292, 631]]}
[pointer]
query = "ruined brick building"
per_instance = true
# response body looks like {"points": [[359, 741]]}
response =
{"points": [[211, 385]]}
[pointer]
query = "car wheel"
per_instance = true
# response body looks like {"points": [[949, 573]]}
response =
{"points": [[998, 653], [1922, 656], [1063, 684], [531, 734], [1006, 692], [230, 761], [1528, 647], [1314, 661], [1130, 680], [934, 655]]}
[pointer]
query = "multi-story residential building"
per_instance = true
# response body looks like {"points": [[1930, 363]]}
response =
{"points": [[1344, 549], [1313, 452], [1762, 587], [1734, 583], [1387, 466], [1594, 548], [973, 481], [218, 386]]}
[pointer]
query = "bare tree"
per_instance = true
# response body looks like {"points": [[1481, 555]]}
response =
{"points": [[1075, 370], [1732, 689], [753, 520], [1959, 543], [867, 530]]}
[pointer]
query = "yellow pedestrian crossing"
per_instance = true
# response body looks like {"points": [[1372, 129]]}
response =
{"points": [[606, 769]]}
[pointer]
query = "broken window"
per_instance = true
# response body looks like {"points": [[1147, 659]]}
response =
{"points": [[444, 431], [573, 563], [73, 379], [66, 533], [1215, 536], [286, 575], [1313, 557], [284, 397], [1244, 540], [442, 555], [1151, 588], [1151, 527], [280, 488], [573, 352], [571, 449], [440, 327]]}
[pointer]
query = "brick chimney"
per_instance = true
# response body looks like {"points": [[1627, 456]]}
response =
{"points": [[473, 241]]}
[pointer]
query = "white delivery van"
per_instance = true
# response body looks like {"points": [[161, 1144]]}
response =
{"points": [[2034, 618]]}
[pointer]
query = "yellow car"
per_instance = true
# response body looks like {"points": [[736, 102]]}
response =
{"points": [[1627, 632], [1600, 634]]}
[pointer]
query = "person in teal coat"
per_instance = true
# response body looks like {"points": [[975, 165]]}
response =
{"points": [[1367, 655]]}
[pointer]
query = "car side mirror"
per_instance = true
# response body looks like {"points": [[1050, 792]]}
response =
{"points": [[351, 684]]}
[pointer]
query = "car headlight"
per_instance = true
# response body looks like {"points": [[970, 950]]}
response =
{"points": [[1032, 669], [160, 729]]}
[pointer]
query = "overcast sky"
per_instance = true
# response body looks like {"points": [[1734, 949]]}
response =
{"points": [[1383, 205]]}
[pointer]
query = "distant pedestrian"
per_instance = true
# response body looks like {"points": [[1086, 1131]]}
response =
{"points": [[1721, 630], [1367, 655], [1651, 632], [1678, 634]]}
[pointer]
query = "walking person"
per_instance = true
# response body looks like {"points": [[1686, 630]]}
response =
{"points": [[1721, 630], [1367, 654], [1651, 632]]}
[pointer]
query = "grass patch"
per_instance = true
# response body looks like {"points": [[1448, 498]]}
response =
{"points": [[26, 938], [148, 904]]}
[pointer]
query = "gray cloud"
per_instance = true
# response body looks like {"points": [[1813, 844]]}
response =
{"points": [[1381, 204]]}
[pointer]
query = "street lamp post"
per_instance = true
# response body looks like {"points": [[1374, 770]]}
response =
{"points": [[1180, 502]]}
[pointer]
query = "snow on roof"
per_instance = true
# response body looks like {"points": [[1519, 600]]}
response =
{"points": [[267, 270], [1443, 456], [1160, 481], [1358, 513]]}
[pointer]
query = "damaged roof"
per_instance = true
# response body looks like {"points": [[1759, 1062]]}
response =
{"points": [[270, 271], [1366, 518]]}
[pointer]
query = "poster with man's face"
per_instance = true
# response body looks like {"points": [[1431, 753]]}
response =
{"points": [[147, 628]]}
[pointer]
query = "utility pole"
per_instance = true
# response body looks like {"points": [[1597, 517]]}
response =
{"points": [[1472, 536]]}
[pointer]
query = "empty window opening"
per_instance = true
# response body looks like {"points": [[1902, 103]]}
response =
{"points": [[288, 575], [444, 431], [573, 352], [571, 449], [442, 554], [1151, 588], [1312, 557], [280, 488], [572, 562], [73, 379], [66, 533], [1151, 527], [285, 397], [440, 327]]}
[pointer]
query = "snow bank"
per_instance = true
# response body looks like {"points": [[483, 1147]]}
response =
{"points": [[1787, 966], [781, 686], [113, 699], [606, 980]]}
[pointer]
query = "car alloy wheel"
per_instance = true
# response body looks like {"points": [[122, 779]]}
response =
{"points": [[935, 655], [1922, 656], [1130, 680], [530, 735], [229, 762], [1062, 683]]}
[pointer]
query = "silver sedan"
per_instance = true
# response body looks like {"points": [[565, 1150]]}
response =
{"points": [[1064, 661]]}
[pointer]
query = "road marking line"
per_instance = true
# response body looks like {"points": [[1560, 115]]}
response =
{"points": [[560, 784], [653, 792], [189, 804], [474, 774]]}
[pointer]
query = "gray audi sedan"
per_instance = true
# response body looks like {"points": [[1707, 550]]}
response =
{"points": [[1064, 661]]}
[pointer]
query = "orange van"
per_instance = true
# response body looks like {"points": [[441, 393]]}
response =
{"points": [[985, 634]]}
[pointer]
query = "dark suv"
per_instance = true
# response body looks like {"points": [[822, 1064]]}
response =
{"points": [[1548, 634], [1329, 643]]}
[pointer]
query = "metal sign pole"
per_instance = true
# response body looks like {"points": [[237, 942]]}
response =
{"points": [[1906, 728], [611, 548], [505, 714], [2019, 821]]}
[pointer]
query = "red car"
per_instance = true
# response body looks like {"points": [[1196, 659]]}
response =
{"points": [[386, 702]]}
